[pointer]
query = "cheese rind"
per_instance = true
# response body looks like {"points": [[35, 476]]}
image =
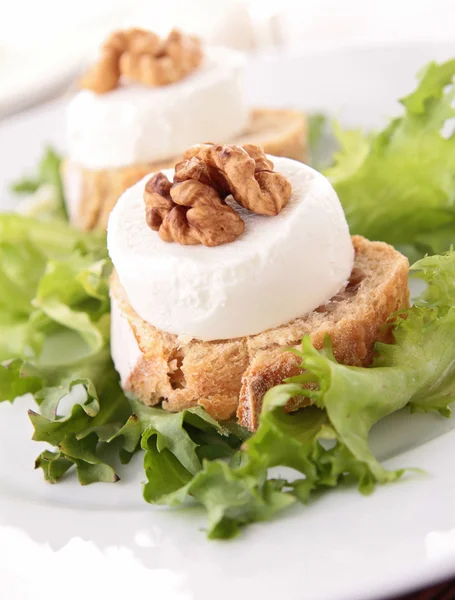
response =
{"points": [[138, 124], [281, 268]]}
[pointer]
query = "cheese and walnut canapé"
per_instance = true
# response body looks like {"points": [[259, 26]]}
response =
{"points": [[224, 262], [256, 243], [227, 260]]}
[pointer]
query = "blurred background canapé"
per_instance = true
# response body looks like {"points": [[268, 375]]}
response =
{"points": [[44, 44]]}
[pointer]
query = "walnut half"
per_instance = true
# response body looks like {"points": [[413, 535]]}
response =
{"points": [[245, 172], [193, 209], [144, 57], [189, 212]]}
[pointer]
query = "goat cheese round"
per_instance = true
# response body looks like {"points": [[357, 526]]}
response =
{"points": [[139, 124], [280, 268]]}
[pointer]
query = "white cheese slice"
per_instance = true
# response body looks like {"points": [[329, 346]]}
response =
{"points": [[72, 181], [125, 350], [280, 268], [138, 124]]}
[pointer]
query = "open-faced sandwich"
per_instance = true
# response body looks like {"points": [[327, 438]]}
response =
{"points": [[144, 102], [205, 295]]}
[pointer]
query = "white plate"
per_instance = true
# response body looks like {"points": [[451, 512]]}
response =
{"points": [[104, 541], [28, 77], [52, 50]]}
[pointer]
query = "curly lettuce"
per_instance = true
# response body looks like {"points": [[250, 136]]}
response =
{"points": [[398, 185], [42, 193], [54, 325]]}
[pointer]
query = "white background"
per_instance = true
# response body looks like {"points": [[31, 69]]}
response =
{"points": [[27, 24], [43, 44]]}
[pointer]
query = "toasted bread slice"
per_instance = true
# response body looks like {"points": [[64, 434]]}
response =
{"points": [[278, 132], [92, 194], [232, 376]]}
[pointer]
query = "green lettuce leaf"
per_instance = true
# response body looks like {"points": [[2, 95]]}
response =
{"points": [[240, 493], [176, 445], [53, 464], [53, 281], [318, 147], [231, 496], [54, 324], [354, 146], [398, 185], [438, 272], [43, 191], [18, 379], [316, 125]]}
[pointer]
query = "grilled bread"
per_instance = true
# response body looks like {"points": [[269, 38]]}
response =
{"points": [[229, 377]]}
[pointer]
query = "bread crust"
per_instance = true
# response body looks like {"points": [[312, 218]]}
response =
{"points": [[230, 377], [279, 132]]}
